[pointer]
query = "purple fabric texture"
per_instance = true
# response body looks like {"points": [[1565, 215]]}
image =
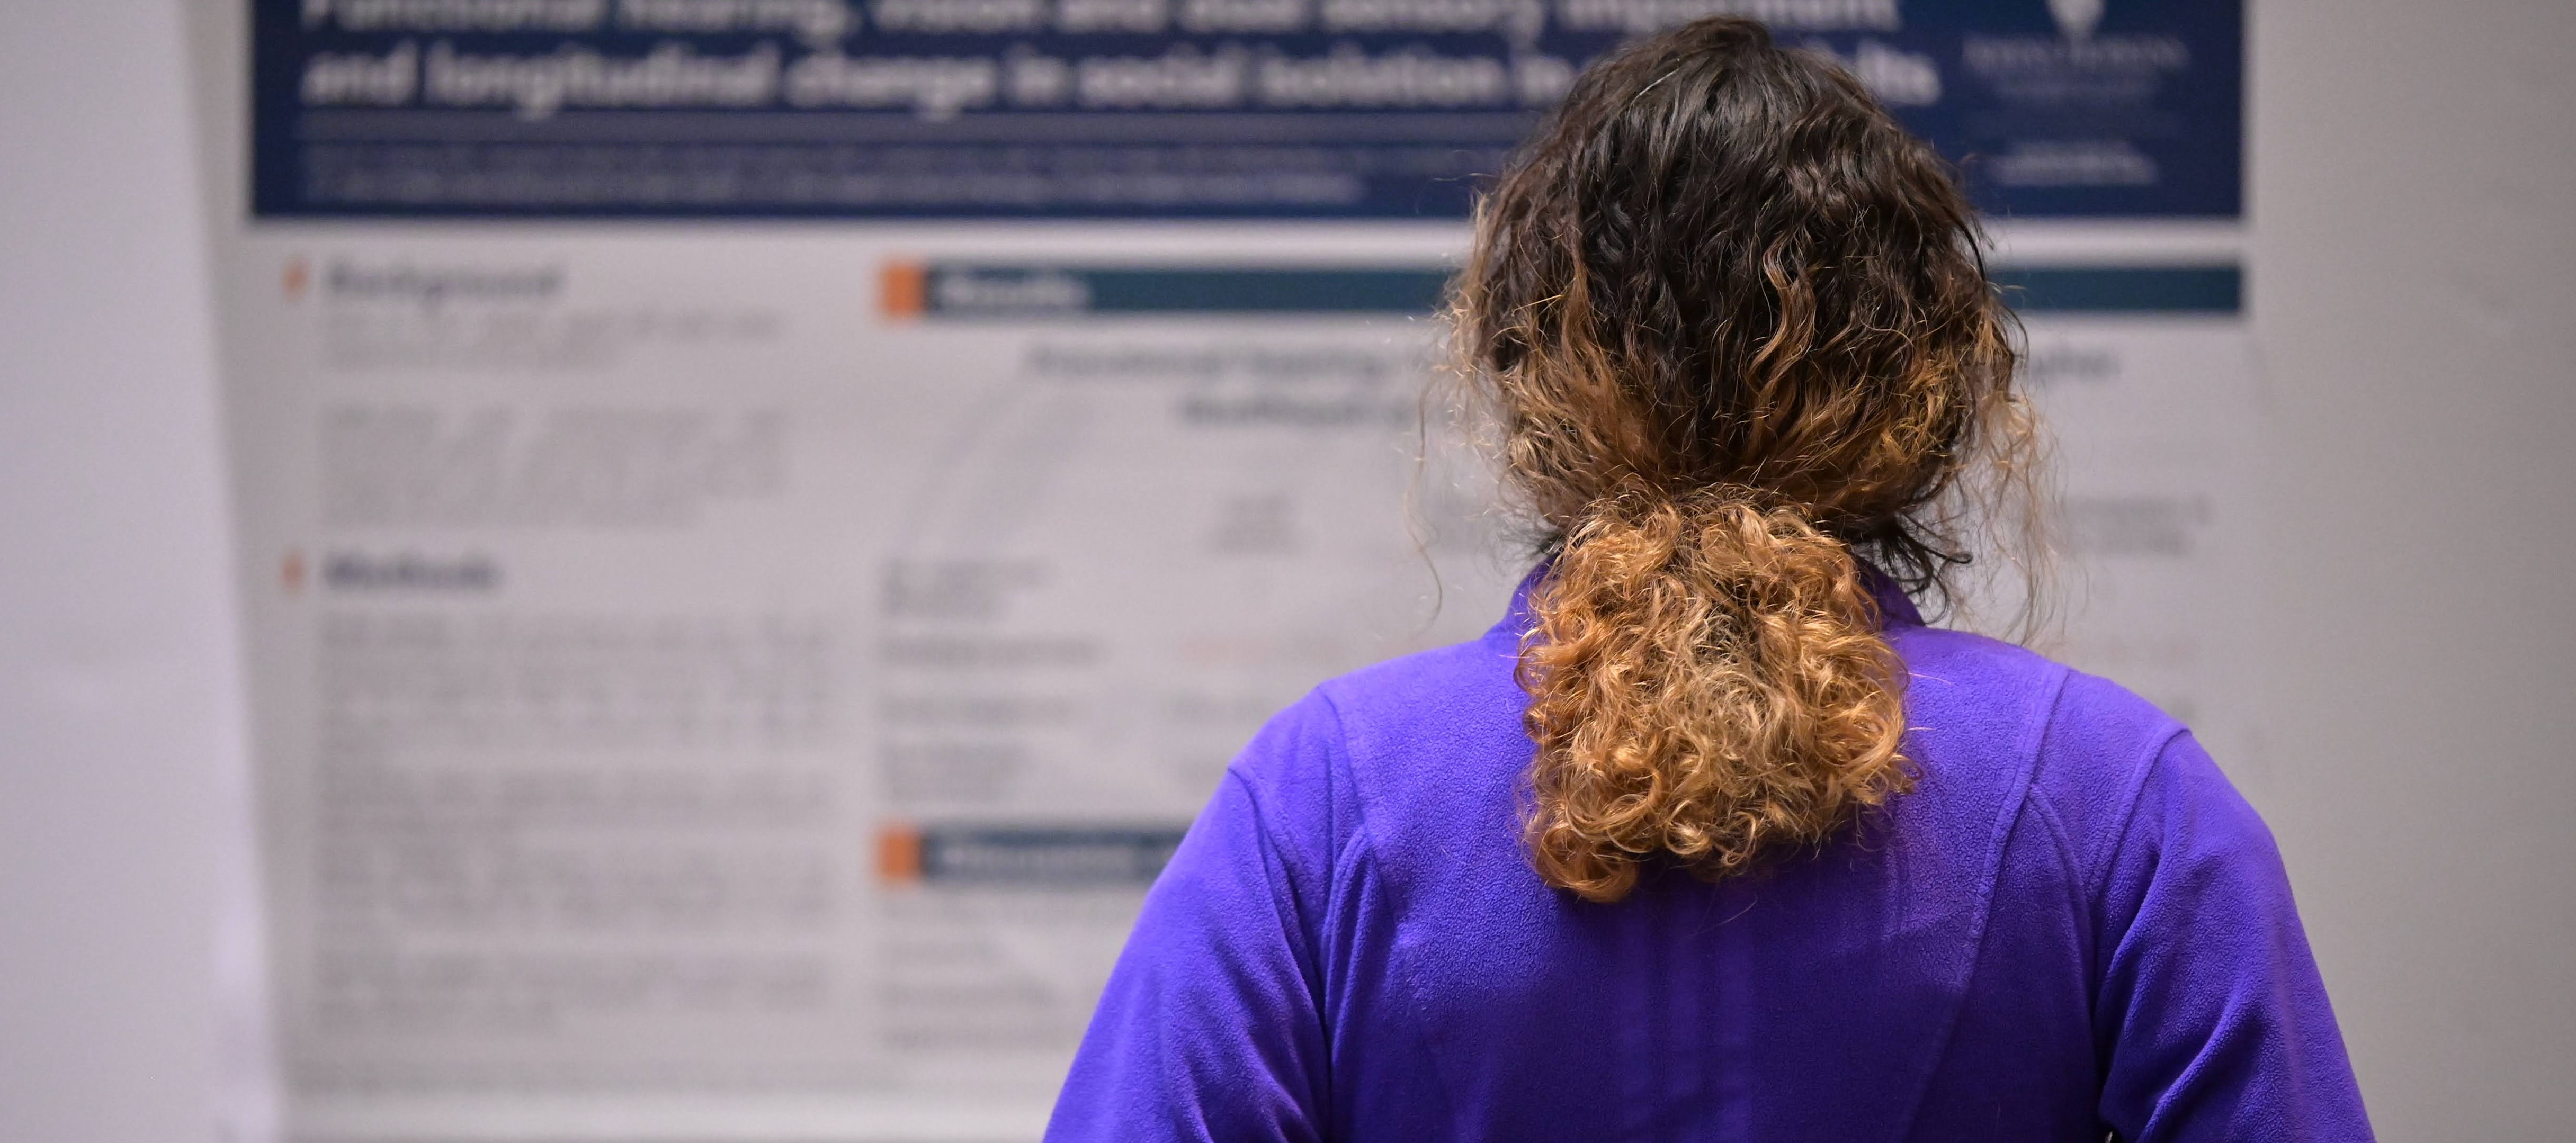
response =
{"points": [[2073, 926]]}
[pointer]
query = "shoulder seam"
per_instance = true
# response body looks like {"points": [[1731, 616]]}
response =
{"points": [[2155, 760], [2034, 739], [1283, 899], [1363, 851], [2062, 846], [2078, 879], [1355, 845]]}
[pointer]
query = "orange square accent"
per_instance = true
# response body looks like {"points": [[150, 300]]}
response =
{"points": [[903, 289], [899, 854]]}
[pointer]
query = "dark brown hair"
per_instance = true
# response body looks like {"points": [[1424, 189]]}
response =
{"points": [[1734, 330]]}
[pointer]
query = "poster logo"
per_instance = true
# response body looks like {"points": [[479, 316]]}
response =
{"points": [[2077, 18]]}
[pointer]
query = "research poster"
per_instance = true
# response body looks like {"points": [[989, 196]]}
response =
{"points": [[762, 520]]}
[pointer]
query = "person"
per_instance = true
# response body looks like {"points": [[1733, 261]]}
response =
{"points": [[1712, 838]]}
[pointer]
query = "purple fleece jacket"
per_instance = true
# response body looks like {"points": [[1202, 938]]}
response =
{"points": [[2073, 926]]}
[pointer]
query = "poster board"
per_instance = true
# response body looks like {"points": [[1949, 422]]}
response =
{"points": [[744, 587]]}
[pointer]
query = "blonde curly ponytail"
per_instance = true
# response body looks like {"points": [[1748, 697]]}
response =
{"points": [[1736, 336], [1708, 682]]}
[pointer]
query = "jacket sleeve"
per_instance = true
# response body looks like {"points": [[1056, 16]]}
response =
{"points": [[2212, 1018], [1210, 1028]]}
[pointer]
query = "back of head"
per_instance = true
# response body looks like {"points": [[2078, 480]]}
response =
{"points": [[1737, 335]]}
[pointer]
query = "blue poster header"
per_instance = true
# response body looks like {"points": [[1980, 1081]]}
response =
{"points": [[1155, 108]]}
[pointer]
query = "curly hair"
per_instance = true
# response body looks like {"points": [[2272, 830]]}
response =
{"points": [[1733, 329]]}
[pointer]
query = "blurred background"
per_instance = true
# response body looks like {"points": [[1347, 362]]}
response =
{"points": [[504, 640]]}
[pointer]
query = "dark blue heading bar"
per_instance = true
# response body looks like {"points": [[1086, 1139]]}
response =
{"points": [[1155, 108], [981, 291]]}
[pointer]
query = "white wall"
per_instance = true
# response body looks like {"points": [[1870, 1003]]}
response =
{"points": [[117, 696], [2414, 293], [2414, 297]]}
